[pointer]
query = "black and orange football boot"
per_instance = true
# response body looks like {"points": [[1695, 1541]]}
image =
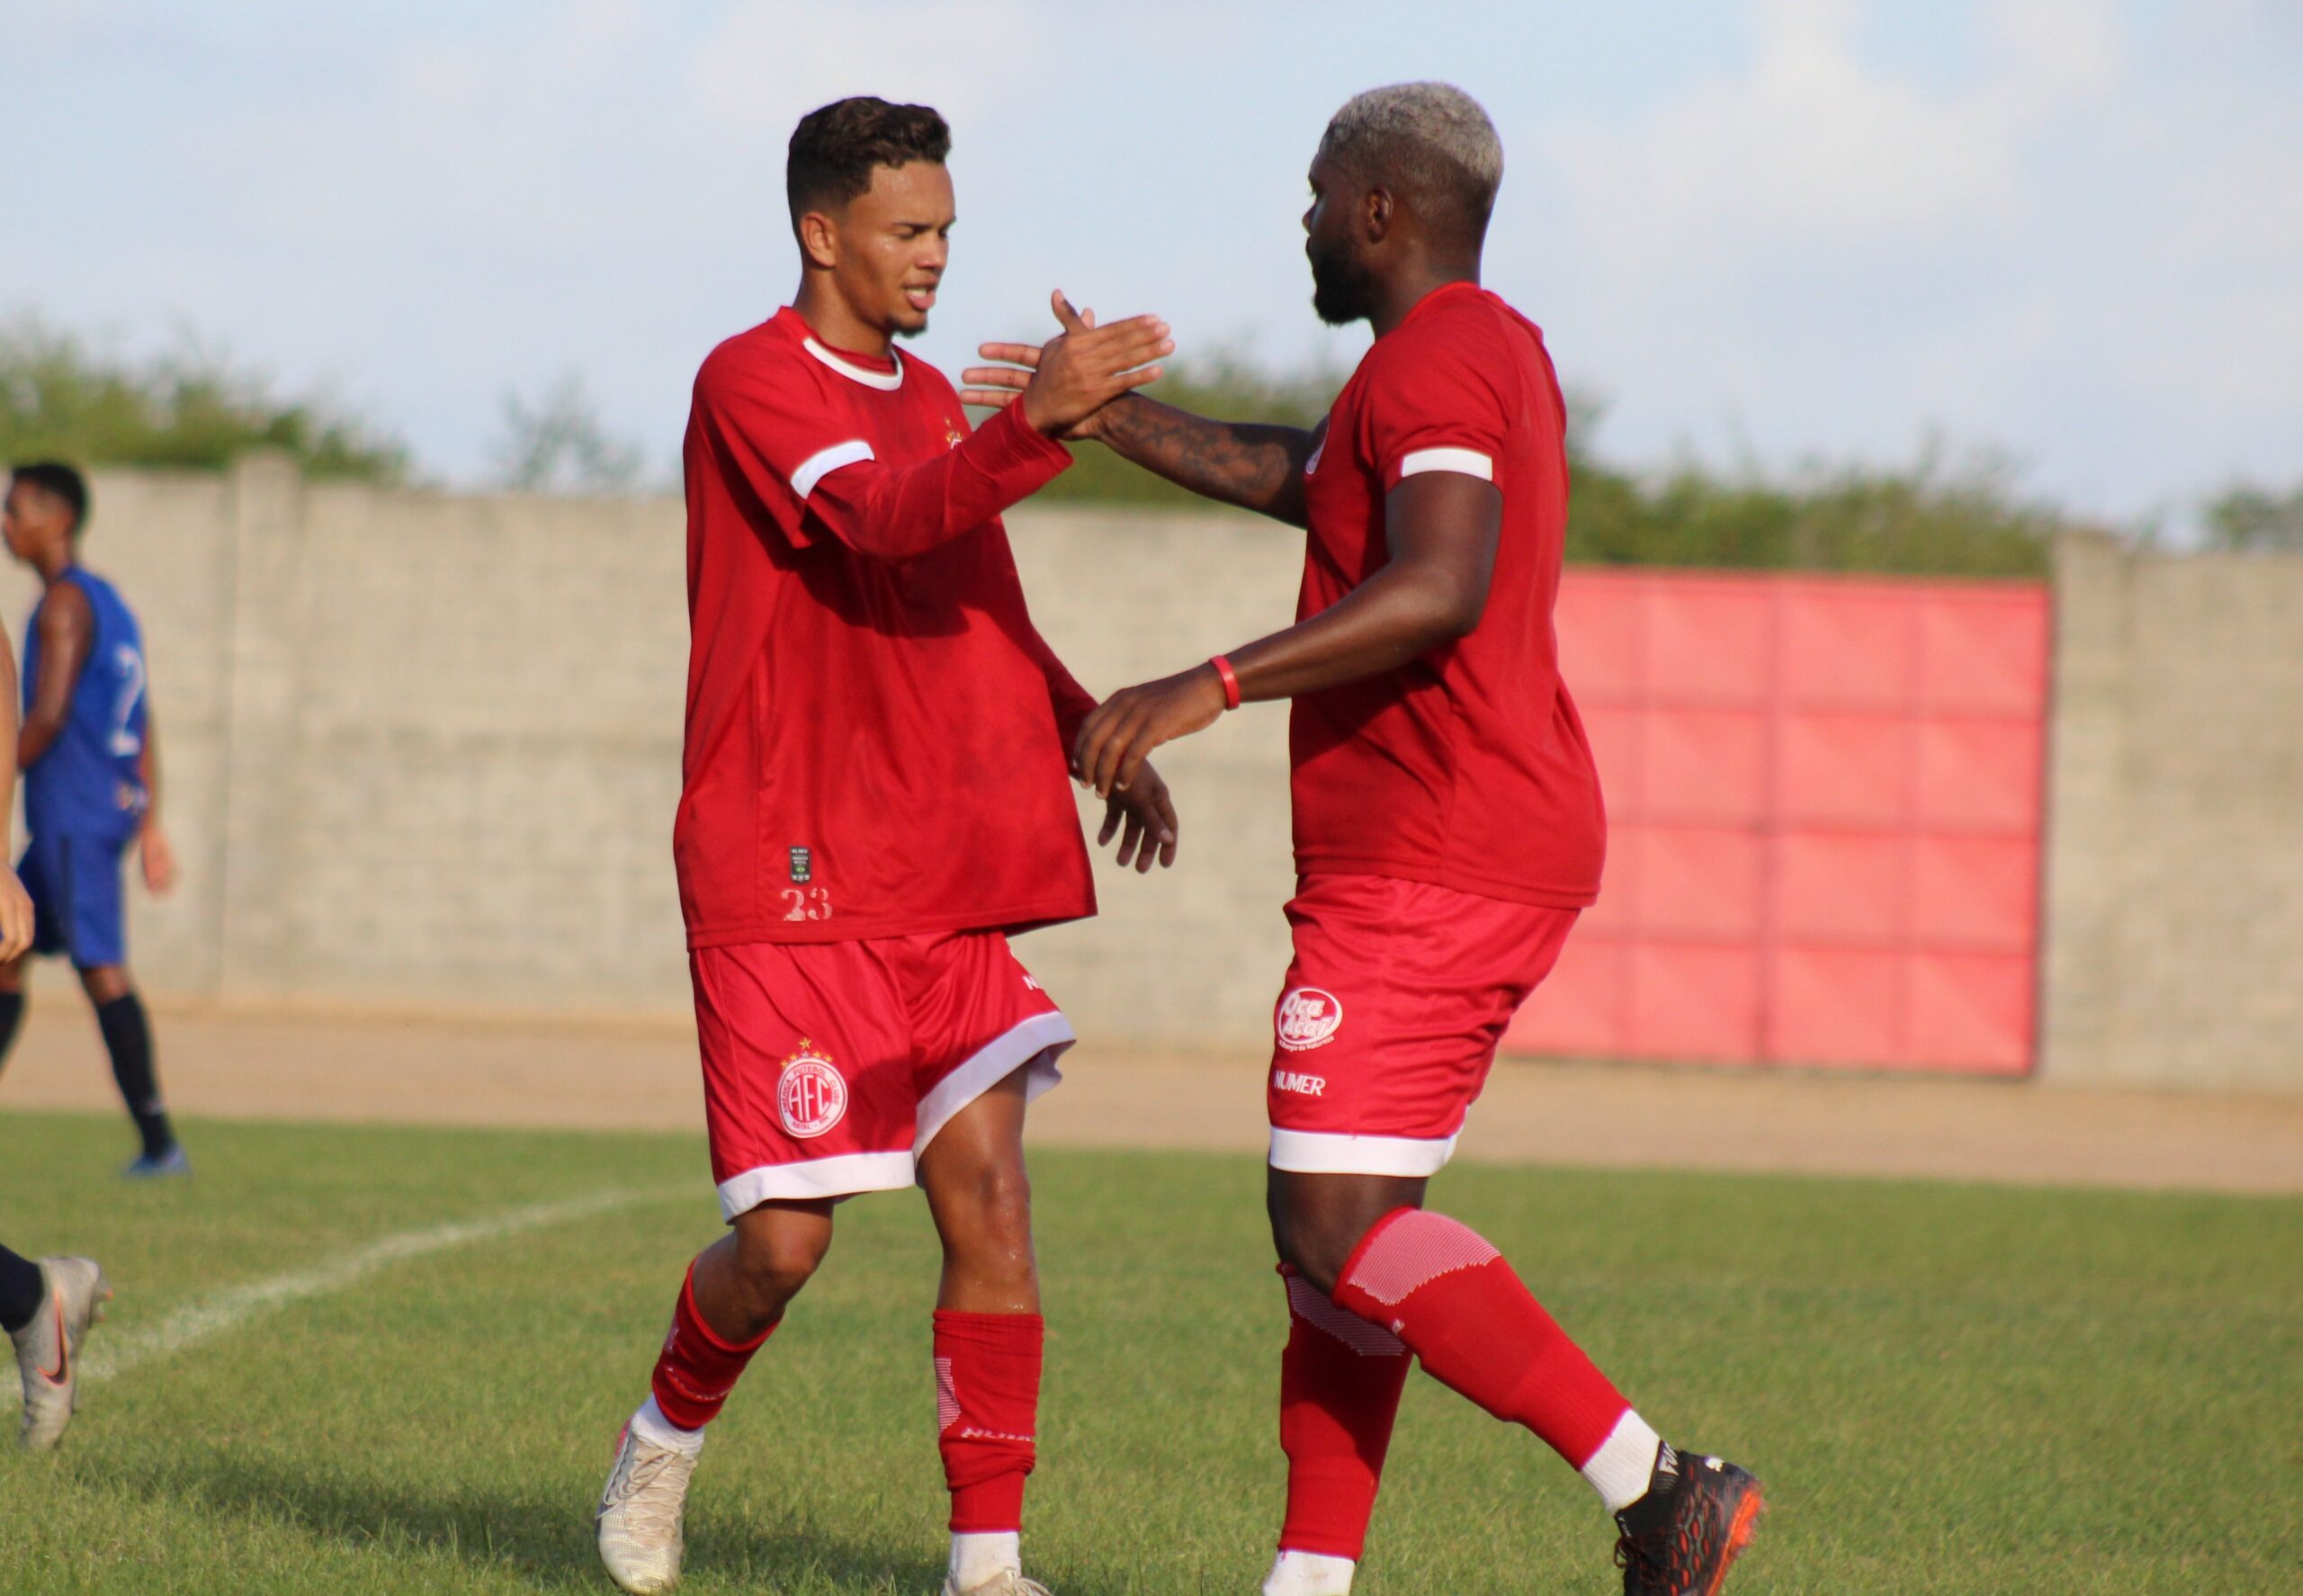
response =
{"points": [[1681, 1538]]}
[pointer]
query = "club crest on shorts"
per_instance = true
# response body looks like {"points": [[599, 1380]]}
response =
{"points": [[1307, 1018], [811, 1096]]}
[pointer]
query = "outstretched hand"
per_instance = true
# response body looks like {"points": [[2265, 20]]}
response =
{"points": [[1149, 815], [1063, 383]]}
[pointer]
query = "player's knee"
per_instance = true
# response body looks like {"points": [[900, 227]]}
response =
{"points": [[774, 1263], [983, 1215], [993, 1198], [105, 983], [1310, 1243]]}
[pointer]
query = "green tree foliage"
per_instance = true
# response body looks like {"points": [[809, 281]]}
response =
{"points": [[2247, 517], [61, 400], [558, 443], [1938, 516]]}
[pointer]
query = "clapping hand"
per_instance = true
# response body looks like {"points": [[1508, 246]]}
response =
{"points": [[1063, 383]]}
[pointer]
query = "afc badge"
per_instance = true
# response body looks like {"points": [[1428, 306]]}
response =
{"points": [[811, 1096], [1307, 1018]]}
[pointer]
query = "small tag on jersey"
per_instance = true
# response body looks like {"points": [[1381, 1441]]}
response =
{"points": [[803, 867]]}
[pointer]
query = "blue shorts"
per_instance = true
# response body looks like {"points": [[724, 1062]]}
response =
{"points": [[74, 883]]}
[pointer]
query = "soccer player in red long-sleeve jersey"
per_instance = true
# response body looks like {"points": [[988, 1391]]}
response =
{"points": [[875, 791], [1447, 830]]}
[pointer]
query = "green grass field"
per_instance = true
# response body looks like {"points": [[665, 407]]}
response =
{"points": [[1947, 1388]]}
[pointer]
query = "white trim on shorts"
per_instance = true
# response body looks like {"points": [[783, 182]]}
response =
{"points": [[843, 1175], [1037, 1041], [1329, 1153]]}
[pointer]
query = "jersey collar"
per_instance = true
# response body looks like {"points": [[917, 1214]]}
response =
{"points": [[886, 382]]}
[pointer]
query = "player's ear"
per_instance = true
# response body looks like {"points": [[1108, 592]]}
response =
{"points": [[1378, 214], [819, 240]]}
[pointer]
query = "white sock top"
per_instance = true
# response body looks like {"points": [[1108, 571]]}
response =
{"points": [[650, 1426], [978, 1559], [1309, 1573], [1624, 1464]]}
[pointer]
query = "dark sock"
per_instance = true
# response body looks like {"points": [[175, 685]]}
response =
{"points": [[129, 1038], [22, 1287], [12, 1015]]}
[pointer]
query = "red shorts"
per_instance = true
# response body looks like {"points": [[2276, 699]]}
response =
{"points": [[1398, 993], [828, 1067]]}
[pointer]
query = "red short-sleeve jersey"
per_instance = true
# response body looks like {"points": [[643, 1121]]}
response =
{"points": [[876, 734], [1468, 767]]}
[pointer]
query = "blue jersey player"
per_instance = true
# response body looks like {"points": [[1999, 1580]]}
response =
{"points": [[86, 748]]}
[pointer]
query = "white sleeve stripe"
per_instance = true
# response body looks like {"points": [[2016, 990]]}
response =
{"points": [[1470, 462], [821, 465]]}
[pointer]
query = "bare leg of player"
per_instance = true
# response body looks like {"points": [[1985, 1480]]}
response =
{"points": [[1366, 1250], [734, 1296], [988, 1335]]}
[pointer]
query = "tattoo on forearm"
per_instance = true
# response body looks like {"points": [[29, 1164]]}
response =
{"points": [[1240, 462]]}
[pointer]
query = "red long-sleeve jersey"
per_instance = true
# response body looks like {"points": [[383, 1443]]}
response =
{"points": [[877, 737]]}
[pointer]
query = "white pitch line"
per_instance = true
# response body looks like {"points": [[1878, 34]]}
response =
{"points": [[110, 1355]]}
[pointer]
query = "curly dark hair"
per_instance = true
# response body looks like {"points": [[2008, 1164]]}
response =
{"points": [[834, 148]]}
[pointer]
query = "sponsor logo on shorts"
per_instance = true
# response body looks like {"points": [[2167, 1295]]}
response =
{"points": [[811, 1096], [1295, 1080], [1307, 1018]]}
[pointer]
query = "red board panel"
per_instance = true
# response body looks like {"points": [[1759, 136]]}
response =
{"points": [[1701, 883], [1692, 1001], [1704, 765], [1846, 648], [1707, 642], [1825, 801]]}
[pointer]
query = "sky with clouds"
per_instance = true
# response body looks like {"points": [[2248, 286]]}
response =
{"points": [[1788, 228]]}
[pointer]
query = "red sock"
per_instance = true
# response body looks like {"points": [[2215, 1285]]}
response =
{"points": [[1339, 1382], [697, 1369], [1436, 1285], [987, 1410]]}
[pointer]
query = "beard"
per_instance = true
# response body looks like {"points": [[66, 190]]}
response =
{"points": [[1343, 291]]}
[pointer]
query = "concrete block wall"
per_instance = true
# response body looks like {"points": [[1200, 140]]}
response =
{"points": [[2174, 950], [421, 751]]}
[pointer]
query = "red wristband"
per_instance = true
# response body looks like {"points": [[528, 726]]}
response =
{"points": [[1231, 682]]}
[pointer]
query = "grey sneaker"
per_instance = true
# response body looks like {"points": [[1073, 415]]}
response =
{"points": [[1010, 1583], [174, 1161], [641, 1542], [48, 1350]]}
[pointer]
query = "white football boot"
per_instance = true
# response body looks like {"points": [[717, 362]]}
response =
{"points": [[1008, 1583], [48, 1350], [639, 1514]]}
